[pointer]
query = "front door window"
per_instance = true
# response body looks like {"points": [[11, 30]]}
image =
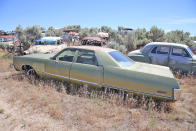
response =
{"points": [[159, 55], [66, 55]]}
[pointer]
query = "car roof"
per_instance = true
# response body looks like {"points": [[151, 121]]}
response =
{"points": [[94, 48], [168, 44]]}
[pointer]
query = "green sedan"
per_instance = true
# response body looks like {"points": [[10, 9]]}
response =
{"points": [[102, 67]]}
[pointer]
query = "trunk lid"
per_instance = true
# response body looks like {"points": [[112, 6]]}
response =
{"points": [[151, 69]]}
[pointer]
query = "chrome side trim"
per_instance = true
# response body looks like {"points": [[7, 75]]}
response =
{"points": [[85, 81], [53, 74], [147, 93], [177, 89]]}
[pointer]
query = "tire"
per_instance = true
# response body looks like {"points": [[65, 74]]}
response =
{"points": [[31, 74]]}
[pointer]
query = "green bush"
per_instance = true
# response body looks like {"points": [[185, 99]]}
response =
{"points": [[117, 46], [178, 36]]}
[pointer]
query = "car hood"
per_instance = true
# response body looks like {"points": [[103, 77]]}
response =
{"points": [[194, 57], [151, 69], [135, 52]]}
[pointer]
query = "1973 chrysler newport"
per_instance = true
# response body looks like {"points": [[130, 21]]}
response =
{"points": [[102, 67]]}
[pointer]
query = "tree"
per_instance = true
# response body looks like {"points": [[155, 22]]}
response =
{"points": [[77, 27], [193, 38], [84, 32], [136, 39], [106, 29], [120, 28], [117, 46], [113, 34], [156, 34], [20, 34], [178, 36], [33, 33], [93, 31], [50, 31]]}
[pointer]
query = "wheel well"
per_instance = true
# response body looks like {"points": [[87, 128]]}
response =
{"points": [[26, 67]]}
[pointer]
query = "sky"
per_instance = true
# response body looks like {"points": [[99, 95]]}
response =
{"points": [[166, 14]]}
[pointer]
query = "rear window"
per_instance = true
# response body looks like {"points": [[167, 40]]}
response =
{"points": [[121, 59], [179, 52]]}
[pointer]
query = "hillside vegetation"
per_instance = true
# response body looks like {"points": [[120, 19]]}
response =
{"points": [[45, 105], [120, 39]]}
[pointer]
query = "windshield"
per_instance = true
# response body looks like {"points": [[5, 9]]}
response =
{"points": [[146, 48], [45, 43], [190, 52], [121, 59]]}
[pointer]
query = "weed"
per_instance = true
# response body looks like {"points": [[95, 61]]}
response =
{"points": [[1, 111], [8, 116]]}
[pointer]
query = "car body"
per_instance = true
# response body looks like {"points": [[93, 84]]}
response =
{"points": [[44, 49], [46, 45], [102, 67], [178, 57]]}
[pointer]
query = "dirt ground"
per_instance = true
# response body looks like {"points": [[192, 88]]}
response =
{"points": [[25, 105]]}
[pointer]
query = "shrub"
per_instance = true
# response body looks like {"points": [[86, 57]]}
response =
{"points": [[117, 46]]}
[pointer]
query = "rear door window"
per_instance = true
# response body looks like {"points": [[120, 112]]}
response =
{"points": [[179, 52], [163, 50], [87, 57]]}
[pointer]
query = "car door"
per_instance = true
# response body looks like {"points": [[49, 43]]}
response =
{"points": [[160, 55], [180, 59], [60, 66], [86, 69]]}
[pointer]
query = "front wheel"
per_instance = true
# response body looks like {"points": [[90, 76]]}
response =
{"points": [[31, 74]]}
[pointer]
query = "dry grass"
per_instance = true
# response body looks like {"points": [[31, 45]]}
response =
{"points": [[45, 105]]}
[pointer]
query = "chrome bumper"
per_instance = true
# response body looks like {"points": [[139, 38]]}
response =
{"points": [[176, 94]]}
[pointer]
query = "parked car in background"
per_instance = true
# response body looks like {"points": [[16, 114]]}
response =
{"points": [[101, 67], [178, 57], [46, 45]]}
